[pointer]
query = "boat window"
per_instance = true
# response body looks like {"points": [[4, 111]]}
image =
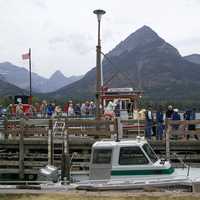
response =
{"points": [[149, 151], [132, 156], [102, 156]]}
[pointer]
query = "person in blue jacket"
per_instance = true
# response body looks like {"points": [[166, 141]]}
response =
{"points": [[50, 110], [159, 123], [176, 116]]}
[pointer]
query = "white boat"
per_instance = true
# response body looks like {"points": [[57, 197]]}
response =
{"points": [[129, 164]]}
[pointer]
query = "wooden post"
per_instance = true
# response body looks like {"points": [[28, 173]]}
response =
{"points": [[167, 139], [63, 163], [67, 157], [6, 128], [67, 162], [21, 151], [119, 129], [196, 186], [50, 143]]}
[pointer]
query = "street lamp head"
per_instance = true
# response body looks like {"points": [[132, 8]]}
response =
{"points": [[99, 13]]}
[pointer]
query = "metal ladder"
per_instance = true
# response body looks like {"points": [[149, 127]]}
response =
{"points": [[59, 127]]}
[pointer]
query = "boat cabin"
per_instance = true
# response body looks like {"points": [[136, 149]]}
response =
{"points": [[126, 98], [126, 158]]}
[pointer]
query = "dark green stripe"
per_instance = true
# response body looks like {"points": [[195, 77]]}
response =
{"points": [[142, 172]]}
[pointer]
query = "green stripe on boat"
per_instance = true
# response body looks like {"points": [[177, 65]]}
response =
{"points": [[142, 172]]}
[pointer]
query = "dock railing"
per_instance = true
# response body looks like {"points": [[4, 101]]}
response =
{"points": [[24, 133], [133, 128], [180, 130], [31, 144]]}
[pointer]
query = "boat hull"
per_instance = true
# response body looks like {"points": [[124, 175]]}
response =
{"points": [[180, 178]]}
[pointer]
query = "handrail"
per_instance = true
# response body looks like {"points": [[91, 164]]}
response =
{"points": [[182, 122]]}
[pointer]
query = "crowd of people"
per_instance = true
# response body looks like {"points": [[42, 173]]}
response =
{"points": [[155, 120], [46, 110]]}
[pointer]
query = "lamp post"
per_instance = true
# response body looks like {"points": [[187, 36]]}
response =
{"points": [[99, 14]]}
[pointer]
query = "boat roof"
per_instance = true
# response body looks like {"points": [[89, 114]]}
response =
{"points": [[139, 141]]}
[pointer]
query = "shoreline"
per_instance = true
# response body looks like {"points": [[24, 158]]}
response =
{"points": [[84, 195]]}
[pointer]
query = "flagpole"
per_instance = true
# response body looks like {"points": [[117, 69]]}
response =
{"points": [[30, 91]]}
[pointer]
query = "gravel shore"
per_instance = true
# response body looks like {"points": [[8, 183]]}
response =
{"points": [[83, 195]]}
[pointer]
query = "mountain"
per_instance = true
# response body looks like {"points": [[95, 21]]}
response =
{"points": [[58, 80], [8, 89], [143, 61], [19, 76], [194, 58]]}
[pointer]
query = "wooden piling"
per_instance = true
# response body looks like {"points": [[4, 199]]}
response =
{"points": [[119, 129], [167, 139], [196, 187], [6, 128], [50, 143], [67, 162], [21, 151]]}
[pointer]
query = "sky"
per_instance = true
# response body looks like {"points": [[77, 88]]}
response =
{"points": [[62, 34]]}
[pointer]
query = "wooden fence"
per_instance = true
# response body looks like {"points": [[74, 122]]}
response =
{"points": [[179, 130]]}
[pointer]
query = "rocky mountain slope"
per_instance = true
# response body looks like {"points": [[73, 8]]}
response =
{"points": [[19, 76], [8, 89], [145, 61]]}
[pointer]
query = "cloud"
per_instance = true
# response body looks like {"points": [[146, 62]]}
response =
{"points": [[40, 3], [188, 41], [61, 33], [188, 45], [56, 40], [77, 42]]}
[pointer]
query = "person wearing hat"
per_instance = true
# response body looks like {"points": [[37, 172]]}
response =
{"points": [[169, 112], [176, 116], [92, 109]]}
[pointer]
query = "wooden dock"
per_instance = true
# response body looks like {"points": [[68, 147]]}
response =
{"points": [[28, 145]]}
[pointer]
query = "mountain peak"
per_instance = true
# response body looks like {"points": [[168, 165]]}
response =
{"points": [[141, 37], [57, 74], [146, 29]]}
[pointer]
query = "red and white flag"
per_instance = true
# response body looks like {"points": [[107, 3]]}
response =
{"points": [[26, 56]]}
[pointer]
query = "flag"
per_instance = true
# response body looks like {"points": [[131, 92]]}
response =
{"points": [[26, 56]]}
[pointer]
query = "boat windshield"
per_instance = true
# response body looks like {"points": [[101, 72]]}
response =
{"points": [[149, 151]]}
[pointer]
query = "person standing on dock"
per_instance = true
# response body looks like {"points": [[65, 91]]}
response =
{"points": [[50, 110], [92, 109], [159, 123], [117, 108], [176, 116], [190, 115], [169, 112], [43, 109], [83, 110], [77, 110], [149, 123], [19, 110], [70, 112]]}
